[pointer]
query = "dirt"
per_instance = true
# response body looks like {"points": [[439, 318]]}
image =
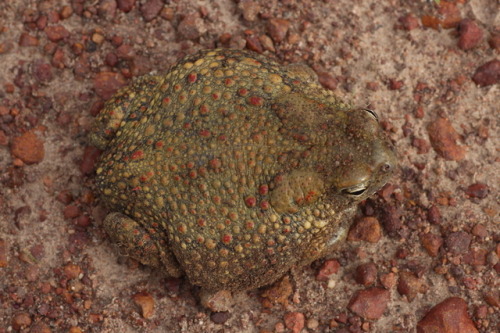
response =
{"points": [[430, 69]]}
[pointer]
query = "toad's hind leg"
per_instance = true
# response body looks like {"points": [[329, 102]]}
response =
{"points": [[120, 107], [145, 245]]}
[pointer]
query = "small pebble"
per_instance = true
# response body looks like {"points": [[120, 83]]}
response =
{"points": [[365, 229], [250, 9], [434, 215], [150, 9], [370, 303], [72, 271], [409, 285], [71, 211], [267, 43], [327, 80], [312, 323], [125, 5], [4, 139], [476, 257], [431, 243], [5, 47], [220, 317], [167, 13], [409, 22], [388, 280], [422, 145], [480, 231], [429, 21], [372, 85], [279, 327], [395, 84], [41, 327], [366, 274], [277, 29], [65, 197], [66, 12], [494, 41], [58, 59], [391, 219], [56, 33], [21, 320], [107, 83], [89, 159], [328, 268], [458, 242], [487, 74], [277, 293], [98, 38], [42, 71], [146, 302], [482, 312], [444, 139], [107, 9], [219, 301], [477, 190], [28, 147], [28, 40], [470, 34], [492, 298], [191, 27], [111, 59], [294, 321], [449, 13], [3, 253], [172, 285], [449, 316], [125, 51], [253, 43]]}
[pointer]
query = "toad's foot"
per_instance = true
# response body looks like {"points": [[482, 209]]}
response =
{"points": [[145, 245]]}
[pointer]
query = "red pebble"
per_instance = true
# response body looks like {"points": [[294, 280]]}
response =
{"points": [[487, 74], [328, 268], [449, 316], [470, 34]]}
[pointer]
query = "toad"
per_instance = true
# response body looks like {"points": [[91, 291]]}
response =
{"points": [[231, 168]]}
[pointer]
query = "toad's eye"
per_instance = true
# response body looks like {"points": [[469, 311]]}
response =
{"points": [[372, 113], [355, 190]]}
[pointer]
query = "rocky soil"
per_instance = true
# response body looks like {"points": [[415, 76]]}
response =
{"points": [[423, 253]]}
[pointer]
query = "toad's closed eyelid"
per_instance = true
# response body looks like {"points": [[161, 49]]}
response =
{"points": [[355, 190], [373, 113]]}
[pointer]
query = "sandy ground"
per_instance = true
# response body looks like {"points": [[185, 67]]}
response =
{"points": [[405, 59]]}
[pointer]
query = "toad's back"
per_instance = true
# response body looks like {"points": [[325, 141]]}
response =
{"points": [[224, 160]]}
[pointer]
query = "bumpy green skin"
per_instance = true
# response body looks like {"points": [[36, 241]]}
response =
{"points": [[231, 168]]}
